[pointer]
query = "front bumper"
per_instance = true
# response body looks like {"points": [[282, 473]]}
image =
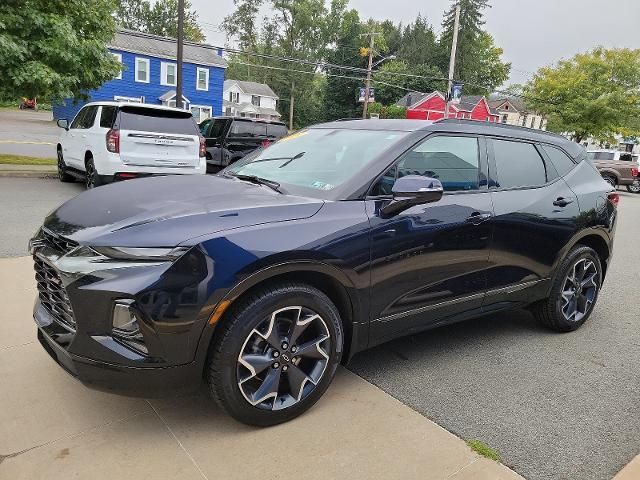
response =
{"points": [[173, 320]]}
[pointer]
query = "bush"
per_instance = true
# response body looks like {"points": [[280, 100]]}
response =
{"points": [[389, 111]]}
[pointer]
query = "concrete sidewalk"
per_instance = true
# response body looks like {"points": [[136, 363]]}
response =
{"points": [[52, 427]]}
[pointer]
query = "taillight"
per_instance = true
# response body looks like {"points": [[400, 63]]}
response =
{"points": [[113, 141], [614, 198], [203, 147], [266, 143], [634, 172]]}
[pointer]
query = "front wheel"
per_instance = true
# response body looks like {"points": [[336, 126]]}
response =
{"points": [[275, 354], [634, 187], [574, 291], [63, 175]]}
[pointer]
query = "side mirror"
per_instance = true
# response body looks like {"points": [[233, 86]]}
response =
{"points": [[63, 123], [412, 190]]}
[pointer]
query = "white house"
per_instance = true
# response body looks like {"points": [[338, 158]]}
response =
{"points": [[513, 111], [249, 99]]}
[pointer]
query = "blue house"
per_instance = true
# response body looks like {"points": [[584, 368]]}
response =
{"points": [[149, 76]]}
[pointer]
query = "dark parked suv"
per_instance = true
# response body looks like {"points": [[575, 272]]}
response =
{"points": [[262, 279], [230, 138]]}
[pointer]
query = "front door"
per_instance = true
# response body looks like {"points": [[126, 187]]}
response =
{"points": [[429, 263]]}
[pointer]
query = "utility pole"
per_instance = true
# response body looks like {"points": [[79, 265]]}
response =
{"points": [[293, 84], [179, 54], [365, 108], [452, 58]]}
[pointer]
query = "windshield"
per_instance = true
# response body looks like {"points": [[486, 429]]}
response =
{"points": [[316, 159]]}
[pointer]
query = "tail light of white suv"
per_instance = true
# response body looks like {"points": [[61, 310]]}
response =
{"points": [[113, 140]]}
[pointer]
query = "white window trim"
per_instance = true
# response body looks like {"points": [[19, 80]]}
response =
{"points": [[164, 80], [208, 107], [148, 62], [206, 70], [118, 56]]}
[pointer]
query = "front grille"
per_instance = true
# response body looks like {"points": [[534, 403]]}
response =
{"points": [[52, 293], [57, 242]]}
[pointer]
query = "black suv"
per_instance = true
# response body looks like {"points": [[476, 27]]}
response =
{"points": [[230, 138], [262, 279]]}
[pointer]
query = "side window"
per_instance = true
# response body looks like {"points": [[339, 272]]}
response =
{"points": [[260, 129], [242, 129], [452, 160], [204, 127], [277, 131], [518, 164], [108, 116], [77, 121], [560, 160], [218, 128]]}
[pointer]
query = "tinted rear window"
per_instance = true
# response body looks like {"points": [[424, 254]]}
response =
{"points": [[108, 116], [277, 131], [559, 159], [601, 155], [248, 129], [157, 121], [519, 164]]}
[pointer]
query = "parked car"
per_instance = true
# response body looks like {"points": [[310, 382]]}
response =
{"points": [[109, 141], [28, 104], [617, 168], [262, 279], [229, 139]]}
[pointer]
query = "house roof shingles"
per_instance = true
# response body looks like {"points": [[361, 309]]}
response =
{"points": [[252, 88], [156, 46], [467, 102]]}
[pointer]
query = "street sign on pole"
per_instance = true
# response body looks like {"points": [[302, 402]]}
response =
{"points": [[455, 94], [363, 94]]}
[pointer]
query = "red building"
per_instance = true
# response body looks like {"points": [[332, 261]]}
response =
{"points": [[431, 106]]}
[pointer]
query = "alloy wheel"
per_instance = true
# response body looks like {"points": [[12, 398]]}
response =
{"points": [[91, 172], [634, 187], [284, 358], [61, 171], [579, 290]]}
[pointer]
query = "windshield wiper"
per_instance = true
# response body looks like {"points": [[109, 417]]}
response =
{"points": [[273, 185], [273, 159]]}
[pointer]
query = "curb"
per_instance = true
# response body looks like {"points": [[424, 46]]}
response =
{"points": [[28, 174]]}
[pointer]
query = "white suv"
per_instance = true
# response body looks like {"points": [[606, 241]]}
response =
{"points": [[108, 141]]}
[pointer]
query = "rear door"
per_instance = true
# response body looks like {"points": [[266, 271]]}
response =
{"points": [[158, 138], [244, 137], [535, 216]]}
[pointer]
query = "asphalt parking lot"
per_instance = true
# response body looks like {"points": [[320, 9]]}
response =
{"points": [[553, 406], [25, 132]]}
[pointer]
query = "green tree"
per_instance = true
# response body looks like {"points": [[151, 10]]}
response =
{"points": [[159, 18], [419, 44], [55, 50], [390, 86], [478, 60], [594, 94]]}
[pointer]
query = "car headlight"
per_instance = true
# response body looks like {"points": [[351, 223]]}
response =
{"points": [[142, 254]]}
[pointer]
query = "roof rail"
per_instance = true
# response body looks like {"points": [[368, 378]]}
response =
{"points": [[461, 121]]}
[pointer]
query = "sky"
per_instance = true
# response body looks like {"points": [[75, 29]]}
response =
{"points": [[532, 33]]}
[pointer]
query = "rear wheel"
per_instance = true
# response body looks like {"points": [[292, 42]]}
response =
{"points": [[275, 354], [93, 178], [63, 175], [574, 291], [634, 187], [610, 180]]}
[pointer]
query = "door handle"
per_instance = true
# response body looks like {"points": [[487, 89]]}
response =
{"points": [[562, 202], [477, 218]]}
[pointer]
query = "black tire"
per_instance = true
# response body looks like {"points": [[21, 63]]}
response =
{"points": [[239, 331], [634, 187], [93, 179], [552, 312], [63, 175], [611, 180]]}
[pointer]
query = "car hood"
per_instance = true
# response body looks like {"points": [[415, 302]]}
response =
{"points": [[168, 211]]}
